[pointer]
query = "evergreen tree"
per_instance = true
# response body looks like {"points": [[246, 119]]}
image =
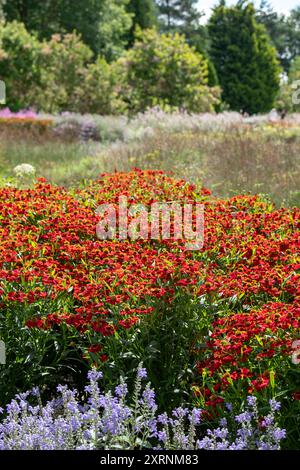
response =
{"points": [[179, 15], [245, 60]]}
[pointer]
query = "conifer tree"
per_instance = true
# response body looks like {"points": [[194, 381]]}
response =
{"points": [[179, 15], [245, 60]]}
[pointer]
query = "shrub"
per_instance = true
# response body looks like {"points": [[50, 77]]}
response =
{"points": [[164, 70], [56, 75], [97, 91], [63, 61], [19, 56]]}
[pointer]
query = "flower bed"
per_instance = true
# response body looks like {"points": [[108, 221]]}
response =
{"points": [[21, 121], [68, 298]]}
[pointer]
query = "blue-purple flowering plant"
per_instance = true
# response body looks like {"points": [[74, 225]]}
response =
{"points": [[114, 420]]}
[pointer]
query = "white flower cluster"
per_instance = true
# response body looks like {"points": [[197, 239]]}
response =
{"points": [[24, 170]]}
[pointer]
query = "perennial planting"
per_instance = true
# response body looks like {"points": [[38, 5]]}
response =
{"points": [[70, 300]]}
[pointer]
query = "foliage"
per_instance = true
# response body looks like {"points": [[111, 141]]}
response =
{"points": [[144, 16], [114, 26], [102, 23], [41, 73], [177, 76], [277, 27], [19, 55], [182, 14], [288, 99], [57, 74], [63, 60], [1, 10], [293, 37], [98, 90], [283, 31], [245, 61]]}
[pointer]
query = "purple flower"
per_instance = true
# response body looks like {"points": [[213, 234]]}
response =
{"points": [[73, 407], [149, 398], [121, 390], [142, 373], [279, 434], [244, 417], [180, 412], [268, 421], [35, 392], [251, 400], [275, 405], [108, 419], [221, 433], [229, 406], [195, 416], [162, 436], [163, 419], [94, 375]]}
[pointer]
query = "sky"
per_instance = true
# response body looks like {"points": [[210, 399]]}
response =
{"points": [[282, 6]]}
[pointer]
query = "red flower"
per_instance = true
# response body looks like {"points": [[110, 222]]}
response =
{"points": [[95, 348], [259, 384]]}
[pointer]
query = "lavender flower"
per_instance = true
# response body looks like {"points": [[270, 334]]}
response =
{"points": [[251, 400], [142, 373], [118, 421], [275, 405]]}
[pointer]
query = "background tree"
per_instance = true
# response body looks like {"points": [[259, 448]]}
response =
{"points": [[244, 58], [48, 17], [183, 16], [114, 25], [284, 32], [288, 100], [168, 13], [144, 16], [1, 10], [277, 28], [103, 24], [293, 33], [179, 15], [164, 70], [19, 56]]}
